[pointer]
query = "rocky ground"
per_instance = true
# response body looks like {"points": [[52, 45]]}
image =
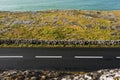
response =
{"points": [[59, 25], [106, 74]]}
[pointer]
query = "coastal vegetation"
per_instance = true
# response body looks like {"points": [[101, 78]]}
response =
{"points": [[58, 25]]}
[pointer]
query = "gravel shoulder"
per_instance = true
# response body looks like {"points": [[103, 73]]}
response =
{"points": [[104, 74]]}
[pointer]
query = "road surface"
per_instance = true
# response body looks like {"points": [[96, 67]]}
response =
{"points": [[60, 58]]}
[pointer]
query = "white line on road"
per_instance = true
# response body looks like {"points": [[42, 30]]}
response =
{"points": [[118, 57], [11, 56], [88, 56], [48, 56]]}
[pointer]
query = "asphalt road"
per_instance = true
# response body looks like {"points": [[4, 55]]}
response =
{"points": [[60, 58]]}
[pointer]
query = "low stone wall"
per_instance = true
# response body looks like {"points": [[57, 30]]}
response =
{"points": [[61, 42]]}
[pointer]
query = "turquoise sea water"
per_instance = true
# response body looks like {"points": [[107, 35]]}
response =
{"points": [[36, 5]]}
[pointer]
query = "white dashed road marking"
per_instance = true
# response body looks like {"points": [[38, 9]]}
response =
{"points": [[48, 56], [88, 57], [118, 57], [79, 57], [11, 56]]}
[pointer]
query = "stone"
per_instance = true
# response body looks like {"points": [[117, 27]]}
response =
{"points": [[89, 26], [33, 78], [103, 27], [43, 77]]}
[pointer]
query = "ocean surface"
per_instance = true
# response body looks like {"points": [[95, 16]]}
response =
{"points": [[37, 5]]}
